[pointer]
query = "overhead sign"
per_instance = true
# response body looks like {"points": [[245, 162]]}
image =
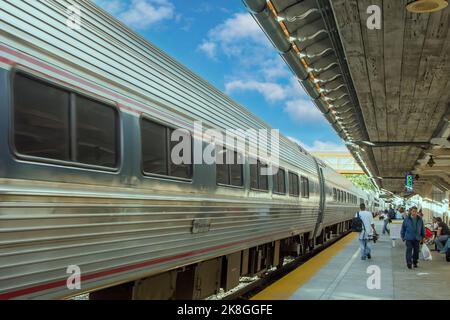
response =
{"points": [[409, 182]]}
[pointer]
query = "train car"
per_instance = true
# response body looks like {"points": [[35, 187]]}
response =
{"points": [[87, 187]]}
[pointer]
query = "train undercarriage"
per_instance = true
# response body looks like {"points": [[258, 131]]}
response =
{"points": [[221, 274]]}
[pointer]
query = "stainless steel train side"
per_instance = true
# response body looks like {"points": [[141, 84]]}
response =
{"points": [[119, 226]]}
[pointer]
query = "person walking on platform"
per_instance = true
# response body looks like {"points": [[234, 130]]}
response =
{"points": [[367, 232], [413, 233], [386, 221]]}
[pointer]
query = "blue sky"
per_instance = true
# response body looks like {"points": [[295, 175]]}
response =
{"points": [[220, 41]]}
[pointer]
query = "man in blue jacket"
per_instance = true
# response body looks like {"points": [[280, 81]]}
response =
{"points": [[413, 232]]}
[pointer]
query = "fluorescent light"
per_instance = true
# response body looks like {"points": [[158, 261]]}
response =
{"points": [[369, 143]]}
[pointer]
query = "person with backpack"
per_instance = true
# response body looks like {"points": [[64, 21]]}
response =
{"points": [[391, 214], [413, 233], [364, 224]]}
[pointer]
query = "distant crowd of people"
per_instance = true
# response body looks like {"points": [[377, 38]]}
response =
{"points": [[414, 231]]}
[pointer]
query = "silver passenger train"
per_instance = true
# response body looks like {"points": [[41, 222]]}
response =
{"points": [[86, 183]]}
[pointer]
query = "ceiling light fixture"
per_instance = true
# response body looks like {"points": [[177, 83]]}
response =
{"points": [[426, 6]]}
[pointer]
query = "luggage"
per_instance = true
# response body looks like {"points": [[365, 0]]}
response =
{"points": [[447, 256]]}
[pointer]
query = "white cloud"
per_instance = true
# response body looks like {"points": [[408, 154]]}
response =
{"points": [[274, 69], [240, 27], [209, 48], [140, 14], [319, 145], [294, 101], [112, 6], [240, 36], [302, 110], [271, 91], [257, 67]]}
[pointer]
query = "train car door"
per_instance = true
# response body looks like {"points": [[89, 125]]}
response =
{"points": [[319, 223]]}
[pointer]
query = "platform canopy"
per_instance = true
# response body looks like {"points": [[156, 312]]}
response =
{"points": [[386, 90]]}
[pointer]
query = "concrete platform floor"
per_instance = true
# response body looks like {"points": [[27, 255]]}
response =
{"points": [[339, 273]]}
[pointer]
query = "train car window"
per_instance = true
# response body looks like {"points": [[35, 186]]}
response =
{"points": [[57, 124], [154, 147], [157, 148], [334, 194], [305, 187], [258, 181], [229, 174], [41, 119], [180, 170], [293, 184], [96, 133], [279, 182]]}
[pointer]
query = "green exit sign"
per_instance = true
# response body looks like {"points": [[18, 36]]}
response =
{"points": [[409, 182]]}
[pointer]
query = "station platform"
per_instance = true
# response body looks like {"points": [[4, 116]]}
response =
{"points": [[338, 273]]}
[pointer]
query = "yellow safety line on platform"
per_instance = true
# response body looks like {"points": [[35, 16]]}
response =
{"points": [[286, 286]]}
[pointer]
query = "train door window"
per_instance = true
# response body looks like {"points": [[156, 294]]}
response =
{"points": [[293, 184], [263, 177], [339, 196], [41, 119], [182, 168], [237, 170], [305, 187], [279, 182], [96, 133], [254, 174], [229, 174], [334, 194], [222, 175], [258, 180], [154, 147]]}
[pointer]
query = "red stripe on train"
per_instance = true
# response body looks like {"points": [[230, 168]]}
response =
{"points": [[61, 283]]}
